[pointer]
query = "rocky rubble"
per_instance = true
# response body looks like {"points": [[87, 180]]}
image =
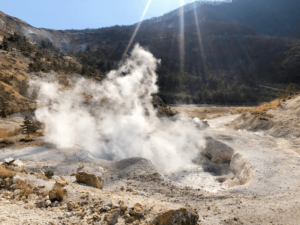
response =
{"points": [[66, 203]]}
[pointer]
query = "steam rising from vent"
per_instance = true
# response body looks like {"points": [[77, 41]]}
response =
{"points": [[115, 119]]}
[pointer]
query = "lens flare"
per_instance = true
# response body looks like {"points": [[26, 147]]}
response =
{"points": [[181, 36], [137, 28], [202, 51]]}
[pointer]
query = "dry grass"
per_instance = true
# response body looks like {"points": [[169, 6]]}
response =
{"points": [[8, 137], [242, 110], [4, 133], [25, 189], [5, 173], [207, 110], [205, 117], [219, 115], [59, 192], [266, 106]]}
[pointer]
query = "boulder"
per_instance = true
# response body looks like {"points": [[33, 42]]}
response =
{"points": [[18, 163], [61, 183], [112, 217], [175, 217], [70, 205], [89, 179], [124, 207], [47, 203], [137, 211]]}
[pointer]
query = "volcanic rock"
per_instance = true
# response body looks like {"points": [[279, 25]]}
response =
{"points": [[137, 210], [89, 179], [176, 217], [112, 218]]}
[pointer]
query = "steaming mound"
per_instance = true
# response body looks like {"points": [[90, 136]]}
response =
{"points": [[119, 120]]}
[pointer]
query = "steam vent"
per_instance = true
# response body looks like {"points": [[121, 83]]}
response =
{"points": [[160, 113]]}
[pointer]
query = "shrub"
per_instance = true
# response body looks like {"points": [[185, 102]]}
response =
{"points": [[206, 110], [5, 173], [57, 193], [241, 110], [25, 189]]}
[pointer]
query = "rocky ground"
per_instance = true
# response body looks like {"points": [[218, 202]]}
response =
{"points": [[242, 176]]}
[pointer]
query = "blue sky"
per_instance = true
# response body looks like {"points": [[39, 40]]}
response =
{"points": [[81, 14]]}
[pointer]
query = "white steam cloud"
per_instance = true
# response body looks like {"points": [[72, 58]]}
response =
{"points": [[115, 119]]}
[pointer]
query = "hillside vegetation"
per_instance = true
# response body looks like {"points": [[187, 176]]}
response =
{"points": [[243, 46]]}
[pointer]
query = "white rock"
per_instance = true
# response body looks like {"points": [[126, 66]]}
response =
{"points": [[16, 192], [47, 198], [48, 202], [18, 163], [56, 177], [9, 160]]}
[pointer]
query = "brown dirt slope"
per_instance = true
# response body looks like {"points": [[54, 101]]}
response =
{"points": [[13, 85]]}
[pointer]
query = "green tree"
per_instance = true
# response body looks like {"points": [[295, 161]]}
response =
{"points": [[28, 127], [290, 89], [3, 108], [5, 45]]}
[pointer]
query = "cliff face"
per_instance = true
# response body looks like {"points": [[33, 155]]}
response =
{"points": [[275, 18]]}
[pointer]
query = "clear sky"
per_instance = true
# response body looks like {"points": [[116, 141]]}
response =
{"points": [[81, 14]]}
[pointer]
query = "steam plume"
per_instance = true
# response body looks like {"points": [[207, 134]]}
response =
{"points": [[115, 119]]}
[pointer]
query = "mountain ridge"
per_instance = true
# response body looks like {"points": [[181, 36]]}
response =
{"points": [[221, 53]]}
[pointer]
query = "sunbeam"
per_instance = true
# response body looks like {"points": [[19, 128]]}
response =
{"points": [[137, 28], [202, 51], [181, 38]]}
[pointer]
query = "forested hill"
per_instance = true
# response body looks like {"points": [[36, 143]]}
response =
{"points": [[270, 17], [230, 50]]}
